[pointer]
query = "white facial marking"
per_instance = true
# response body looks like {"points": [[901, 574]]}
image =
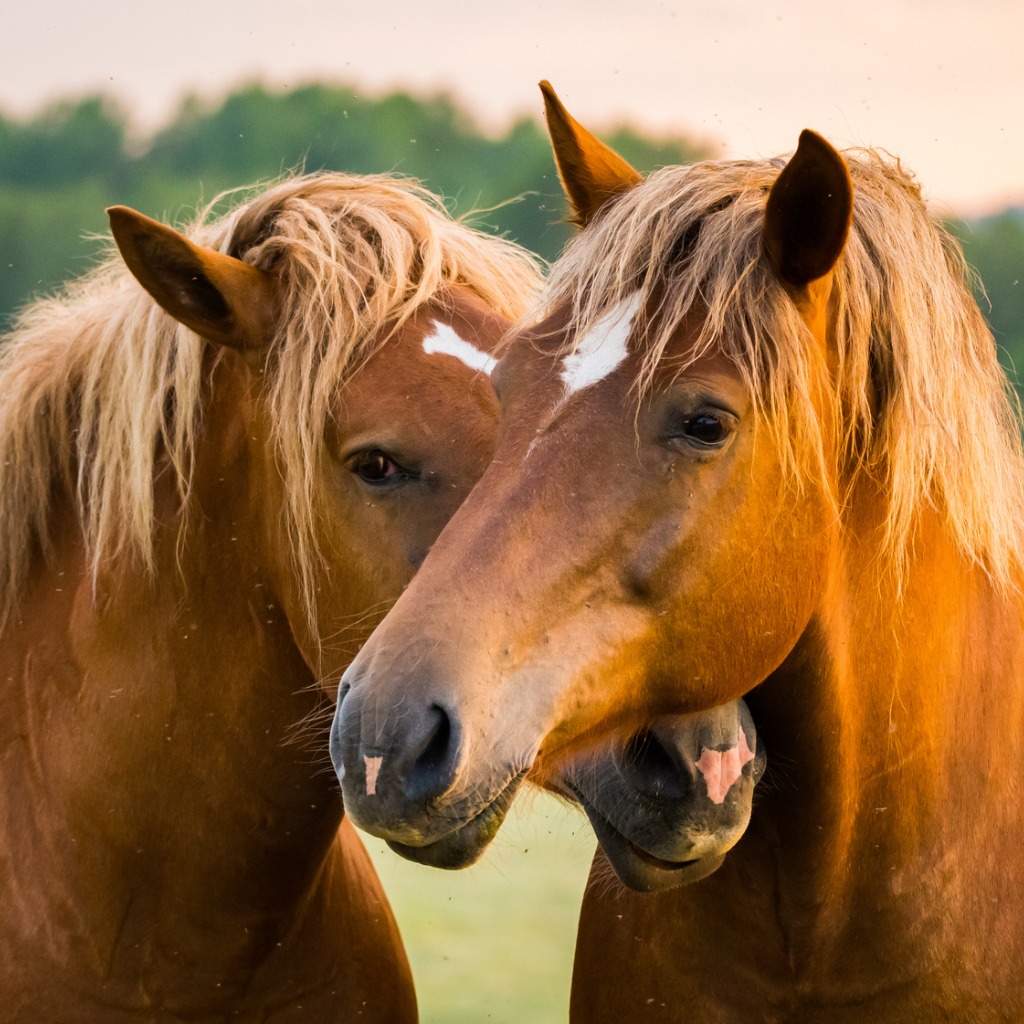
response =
{"points": [[598, 353], [372, 771], [444, 341], [602, 349]]}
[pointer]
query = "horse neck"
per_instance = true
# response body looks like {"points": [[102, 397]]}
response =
{"points": [[884, 728], [160, 777]]}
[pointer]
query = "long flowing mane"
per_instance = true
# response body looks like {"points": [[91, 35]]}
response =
{"points": [[918, 400], [98, 383]]}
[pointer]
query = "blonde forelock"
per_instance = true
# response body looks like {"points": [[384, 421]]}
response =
{"points": [[911, 392], [98, 382]]}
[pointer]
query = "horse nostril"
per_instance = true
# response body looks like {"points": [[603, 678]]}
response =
{"points": [[650, 768], [432, 771]]}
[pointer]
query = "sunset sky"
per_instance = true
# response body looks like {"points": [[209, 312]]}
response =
{"points": [[940, 83]]}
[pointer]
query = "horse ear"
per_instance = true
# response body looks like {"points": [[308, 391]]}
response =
{"points": [[591, 172], [220, 297], [809, 211]]}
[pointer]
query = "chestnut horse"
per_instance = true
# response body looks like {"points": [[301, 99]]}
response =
{"points": [[206, 501], [760, 445]]}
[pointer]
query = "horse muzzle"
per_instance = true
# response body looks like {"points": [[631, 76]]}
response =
{"points": [[667, 805], [402, 769]]}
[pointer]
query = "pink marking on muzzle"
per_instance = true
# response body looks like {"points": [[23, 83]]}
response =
{"points": [[372, 771], [721, 768]]}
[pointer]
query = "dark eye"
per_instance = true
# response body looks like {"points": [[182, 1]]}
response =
{"points": [[378, 469], [705, 429]]}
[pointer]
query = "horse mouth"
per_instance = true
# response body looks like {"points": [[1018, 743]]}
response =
{"points": [[465, 844], [638, 869], [657, 862]]}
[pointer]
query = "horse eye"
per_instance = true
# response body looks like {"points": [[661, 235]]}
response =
{"points": [[378, 468], [705, 429]]}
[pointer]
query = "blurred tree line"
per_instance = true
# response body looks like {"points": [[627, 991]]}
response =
{"points": [[994, 246], [62, 167]]}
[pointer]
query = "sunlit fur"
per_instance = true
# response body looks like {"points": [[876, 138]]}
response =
{"points": [[99, 384], [917, 400]]}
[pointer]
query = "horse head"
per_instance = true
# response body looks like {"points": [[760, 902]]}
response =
{"points": [[351, 477], [638, 546]]}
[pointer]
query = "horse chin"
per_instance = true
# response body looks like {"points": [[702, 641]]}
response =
{"points": [[466, 844], [642, 871]]}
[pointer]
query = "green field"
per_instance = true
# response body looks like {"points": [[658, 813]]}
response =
{"points": [[494, 943]]}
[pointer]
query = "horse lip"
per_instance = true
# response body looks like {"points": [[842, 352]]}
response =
{"points": [[657, 862], [635, 867], [465, 844]]}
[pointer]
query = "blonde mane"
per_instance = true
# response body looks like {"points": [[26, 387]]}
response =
{"points": [[98, 381], [919, 401]]}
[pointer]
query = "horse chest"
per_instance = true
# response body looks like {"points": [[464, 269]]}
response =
{"points": [[721, 952]]}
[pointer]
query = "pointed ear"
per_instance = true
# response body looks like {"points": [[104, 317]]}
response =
{"points": [[809, 211], [591, 172], [221, 298]]}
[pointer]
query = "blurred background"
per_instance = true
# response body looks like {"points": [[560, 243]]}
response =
{"points": [[161, 107], [494, 942]]}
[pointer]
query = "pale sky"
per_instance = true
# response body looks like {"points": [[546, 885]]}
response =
{"points": [[938, 82]]}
